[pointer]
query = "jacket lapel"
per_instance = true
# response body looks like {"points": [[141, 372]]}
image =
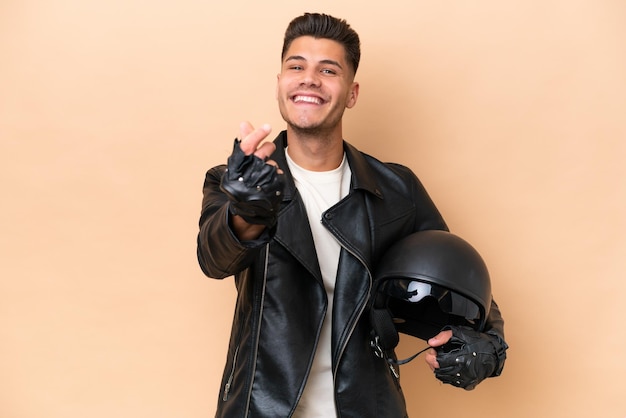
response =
{"points": [[349, 220], [293, 231]]}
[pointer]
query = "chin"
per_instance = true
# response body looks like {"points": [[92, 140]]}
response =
{"points": [[310, 130], [302, 124]]}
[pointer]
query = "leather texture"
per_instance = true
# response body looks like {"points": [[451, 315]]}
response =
{"points": [[469, 358], [281, 300]]}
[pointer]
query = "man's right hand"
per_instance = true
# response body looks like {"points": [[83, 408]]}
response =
{"points": [[253, 184]]}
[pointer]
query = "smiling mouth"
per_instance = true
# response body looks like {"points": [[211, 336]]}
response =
{"points": [[307, 99]]}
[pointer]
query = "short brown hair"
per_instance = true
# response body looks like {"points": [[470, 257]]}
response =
{"points": [[323, 26]]}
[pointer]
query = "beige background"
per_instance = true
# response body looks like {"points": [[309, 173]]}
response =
{"points": [[511, 112]]}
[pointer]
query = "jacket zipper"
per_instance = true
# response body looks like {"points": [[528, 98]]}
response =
{"points": [[229, 382], [361, 309], [258, 330]]}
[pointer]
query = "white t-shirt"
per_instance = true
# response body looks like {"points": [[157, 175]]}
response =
{"points": [[319, 191]]}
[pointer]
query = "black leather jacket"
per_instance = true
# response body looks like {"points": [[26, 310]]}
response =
{"points": [[281, 300]]}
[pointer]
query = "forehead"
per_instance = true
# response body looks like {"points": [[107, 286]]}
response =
{"points": [[316, 50]]}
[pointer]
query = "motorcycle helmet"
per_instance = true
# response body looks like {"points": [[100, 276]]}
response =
{"points": [[426, 281]]}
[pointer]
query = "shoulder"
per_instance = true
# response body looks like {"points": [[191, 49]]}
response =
{"points": [[364, 164]]}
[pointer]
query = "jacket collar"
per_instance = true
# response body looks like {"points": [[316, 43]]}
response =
{"points": [[362, 177]]}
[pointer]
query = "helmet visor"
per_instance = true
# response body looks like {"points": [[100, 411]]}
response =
{"points": [[449, 302]]}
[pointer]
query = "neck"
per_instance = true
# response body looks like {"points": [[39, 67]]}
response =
{"points": [[315, 151]]}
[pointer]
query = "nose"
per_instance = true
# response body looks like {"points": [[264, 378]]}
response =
{"points": [[310, 77]]}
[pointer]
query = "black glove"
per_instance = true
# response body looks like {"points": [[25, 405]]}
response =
{"points": [[469, 357], [253, 187]]}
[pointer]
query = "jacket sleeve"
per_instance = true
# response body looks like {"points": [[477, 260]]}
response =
{"points": [[220, 253], [430, 218], [495, 323], [427, 214], [495, 327]]}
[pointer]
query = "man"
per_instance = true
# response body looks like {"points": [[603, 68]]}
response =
{"points": [[301, 222]]}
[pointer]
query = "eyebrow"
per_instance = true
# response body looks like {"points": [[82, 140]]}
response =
{"points": [[324, 61]]}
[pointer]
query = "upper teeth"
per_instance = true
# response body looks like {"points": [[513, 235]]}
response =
{"points": [[308, 99]]}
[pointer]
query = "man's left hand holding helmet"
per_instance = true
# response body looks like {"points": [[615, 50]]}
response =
{"points": [[463, 357]]}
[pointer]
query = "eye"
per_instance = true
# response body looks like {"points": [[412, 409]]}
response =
{"points": [[328, 71], [296, 67]]}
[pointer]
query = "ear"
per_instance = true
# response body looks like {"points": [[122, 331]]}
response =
{"points": [[353, 95]]}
